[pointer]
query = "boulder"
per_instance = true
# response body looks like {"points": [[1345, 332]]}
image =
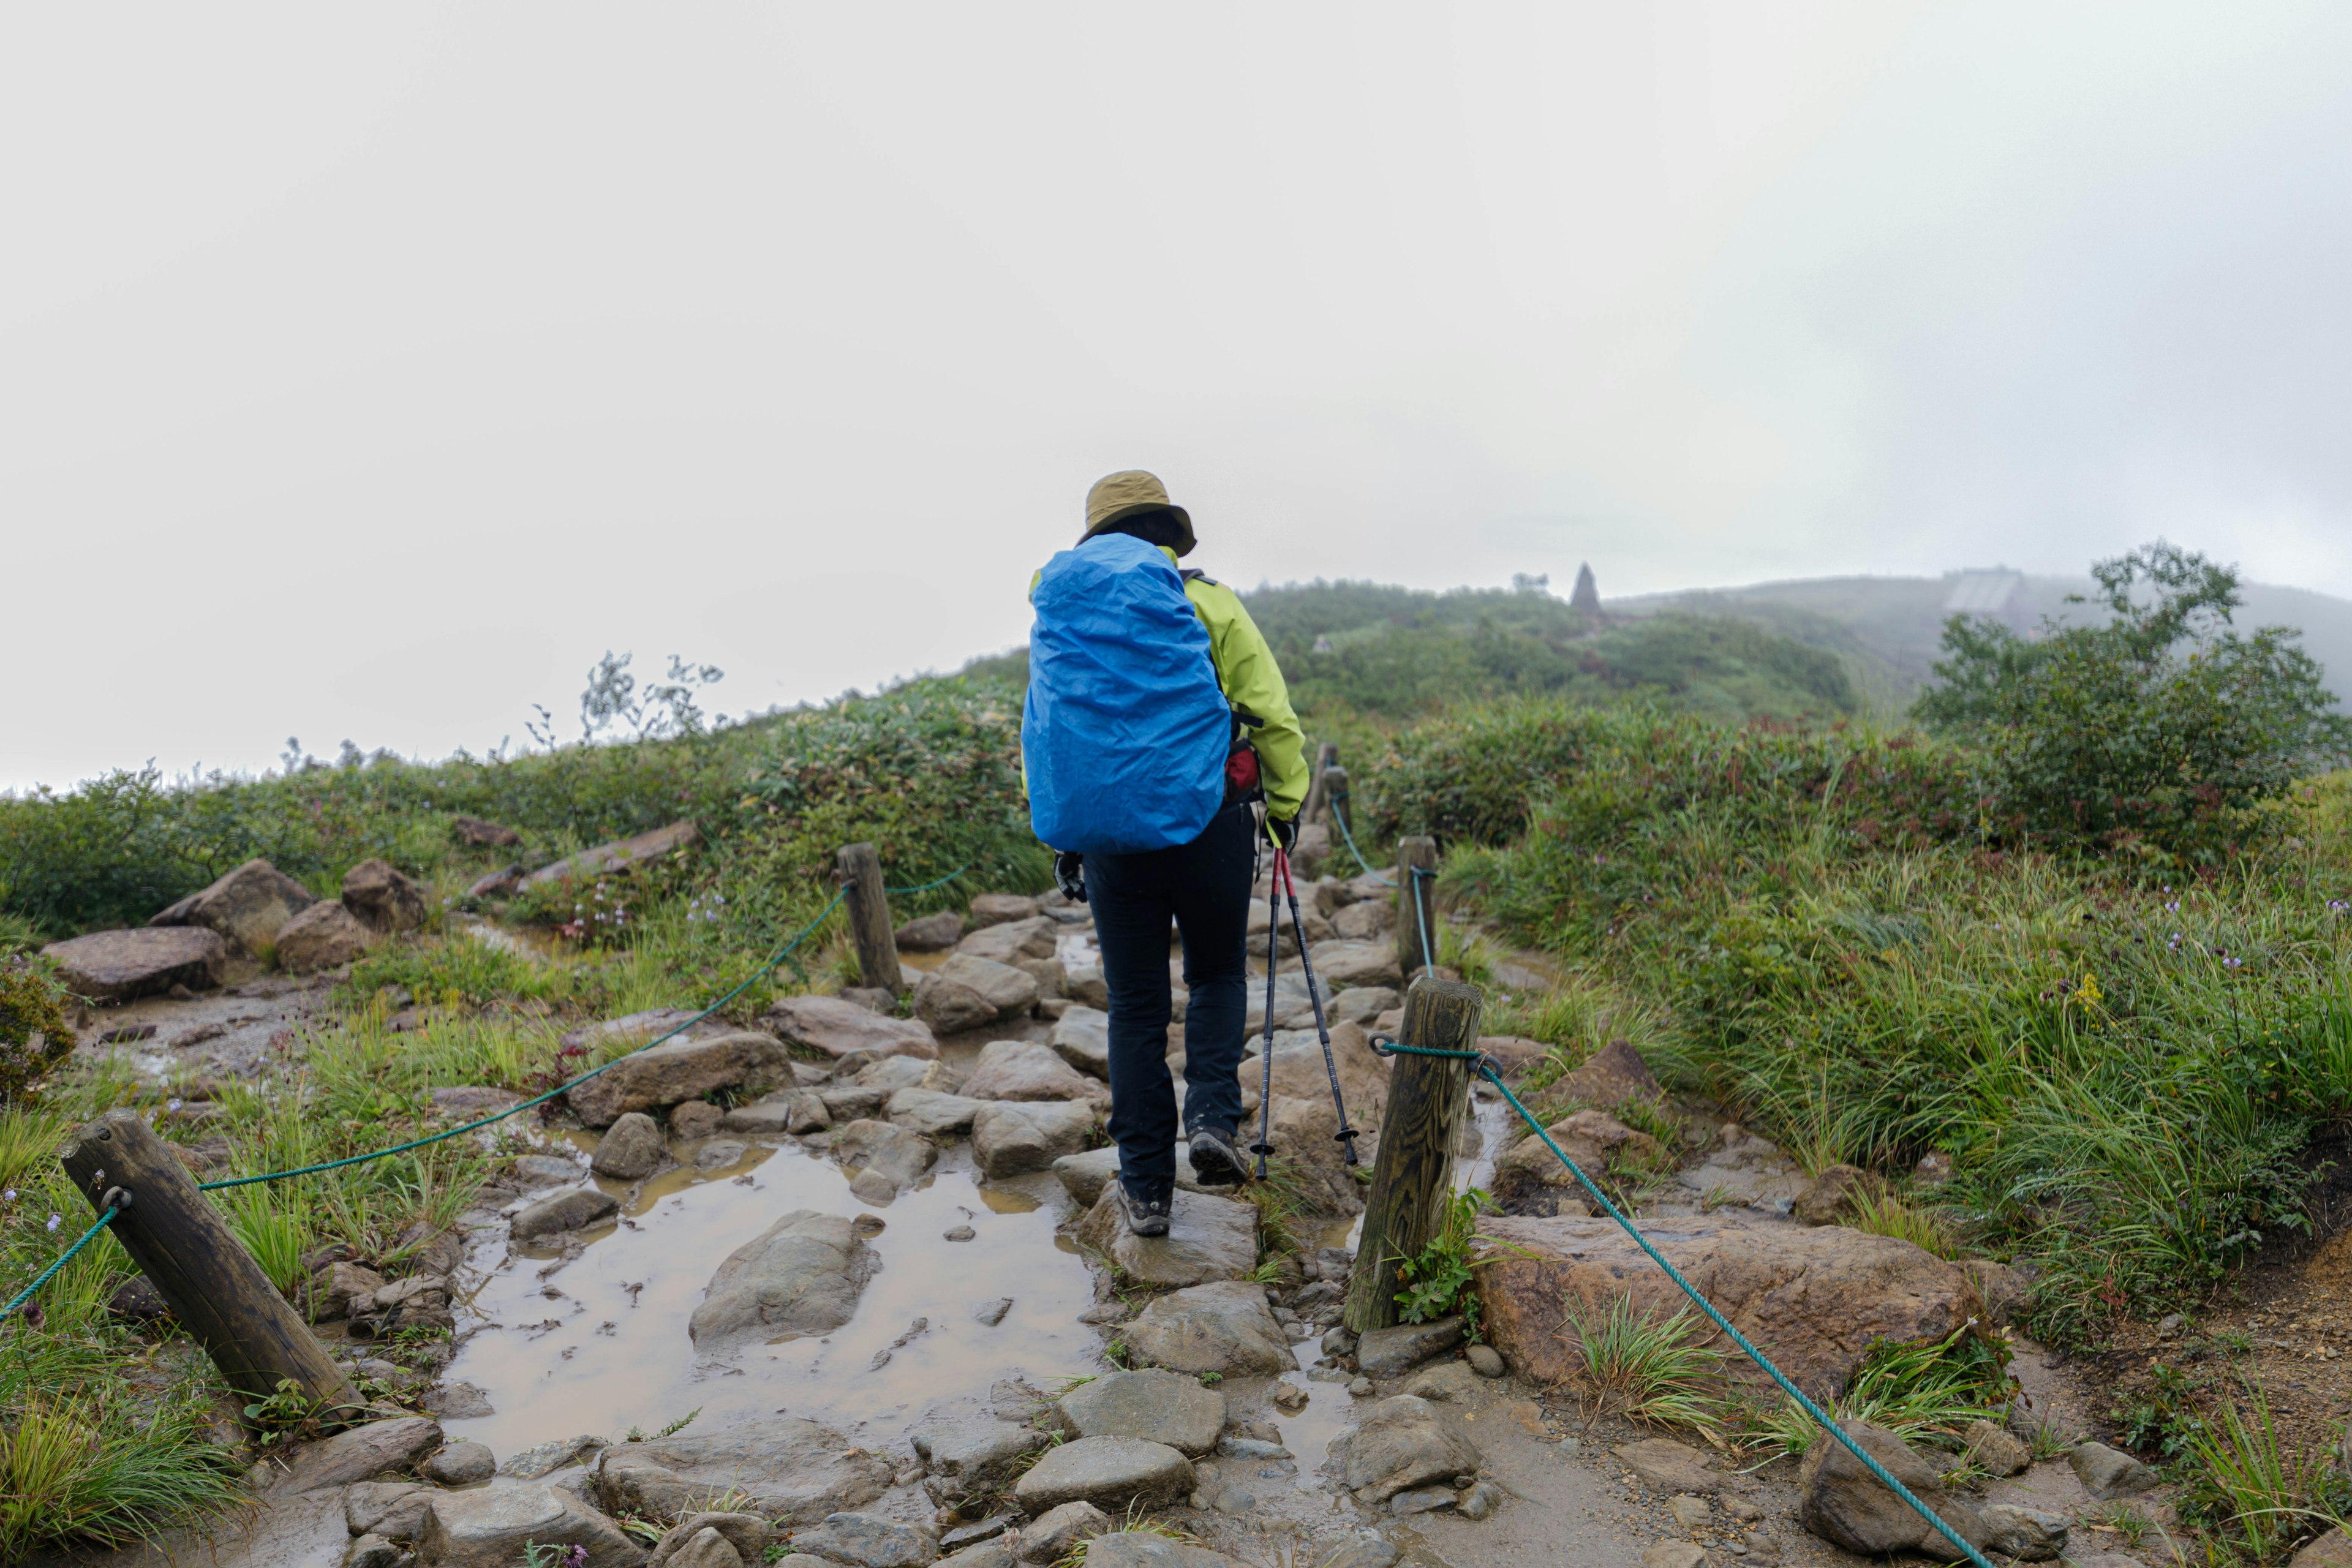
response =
{"points": [[1832, 1195], [706, 1548], [1346, 965], [1163, 1407], [460, 1464], [681, 1069], [1145, 1549], [1109, 1472], [1398, 1444], [393, 1510], [1225, 1328], [794, 1111], [1741, 1168], [546, 1458], [1300, 1070], [360, 1454], [2002, 1291], [1362, 1004], [1812, 1299], [932, 1114], [1997, 1452], [1029, 1069], [996, 909], [340, 1288], [383, 899], [631, 1148], [245, 906], [1367, 920], [1847, 1506], [967, 993], [322, 937], [694, 1120], [1010, 1137], [122, 965], [931, 933], [1529, 1178], [904, 1157], [1444, 1382], [1670, 1467], [1057, 1532], [1393, 1352], [476, 834], [622, 855], [782, 1467], [973, 1458], [1084, 983], [747, 1534], [574, 1210], [2029, 1535], [869, 1540], [1082, 1037], [894, 1073], [1208, 1238], [2107, 1472], [1085, 1175], [802, 1275], [1513, 1053], [1612, 1075], [489, 1528], [1009, 941]]}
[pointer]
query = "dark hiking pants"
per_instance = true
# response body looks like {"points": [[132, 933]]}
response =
{"points": [[1205, 887]]}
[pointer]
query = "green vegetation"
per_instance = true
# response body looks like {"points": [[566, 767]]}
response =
{"points": [[33, 1035], [1438, 1283], [1645, 1368]]}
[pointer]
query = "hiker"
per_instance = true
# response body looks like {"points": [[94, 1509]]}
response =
{"points": [[1156, 722]]}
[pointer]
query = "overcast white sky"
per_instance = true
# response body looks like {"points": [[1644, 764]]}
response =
{"points": [[368, 372]]}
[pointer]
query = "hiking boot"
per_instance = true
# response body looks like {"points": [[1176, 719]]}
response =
{"points": [[1215, 1161], [1145, 1216]]}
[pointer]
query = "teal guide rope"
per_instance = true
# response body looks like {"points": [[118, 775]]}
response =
{"points": [[1485, 1069], [64, 1257]]}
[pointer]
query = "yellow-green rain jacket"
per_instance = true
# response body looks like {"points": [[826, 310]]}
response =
{"points": [[1253, 682]]}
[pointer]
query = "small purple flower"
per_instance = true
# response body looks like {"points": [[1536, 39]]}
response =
{"points": [[2173, 908], [55, 1220], [2231, 963], [8, 1196], [172, 1105]]}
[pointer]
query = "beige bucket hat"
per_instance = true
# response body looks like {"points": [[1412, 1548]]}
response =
{"points": [[1122, 495]]}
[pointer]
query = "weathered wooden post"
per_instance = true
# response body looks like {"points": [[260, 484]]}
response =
{"points": [[1429, 1101], [1318, 796], [869, 918], [1337, 804], [196, 1264], [1416, 924]]}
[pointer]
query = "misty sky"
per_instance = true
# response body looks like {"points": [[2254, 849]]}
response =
{"points": [[369, 372]]}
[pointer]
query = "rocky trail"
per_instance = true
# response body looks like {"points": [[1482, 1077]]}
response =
{"points": [[847, 1286]]}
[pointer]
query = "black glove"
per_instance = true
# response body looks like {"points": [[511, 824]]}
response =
{"points": [[1285, 830], [1069, 875]]}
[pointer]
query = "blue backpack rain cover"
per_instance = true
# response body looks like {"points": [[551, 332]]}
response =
{"points": [[1125, 730]]}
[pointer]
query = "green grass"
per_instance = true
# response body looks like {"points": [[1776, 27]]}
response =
{"points": [[2249, 1489], [1646, 1368]]}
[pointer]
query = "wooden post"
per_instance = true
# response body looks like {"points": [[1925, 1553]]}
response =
{"points": [[1335, 801], [869, 918], [1416, 902], [1429, 1101], [1318, 797], [196, 1264]]}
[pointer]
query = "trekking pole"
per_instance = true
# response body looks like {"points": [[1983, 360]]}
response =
{"points": [[1265, 1144], [1283, 880]]}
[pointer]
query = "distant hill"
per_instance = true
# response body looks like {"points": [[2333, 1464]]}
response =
{"points": [[1887, 630]]}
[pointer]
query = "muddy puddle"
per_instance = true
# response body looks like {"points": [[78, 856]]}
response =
{"points": [[600, 1344]]}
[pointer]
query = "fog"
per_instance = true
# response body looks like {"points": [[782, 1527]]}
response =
{"points": [[369, 372]]}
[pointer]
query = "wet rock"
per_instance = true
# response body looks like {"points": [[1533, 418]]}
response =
{"points": [[903, 1157], [846, 1102], [794, 1112], [1364, 1549], [631, 1148], [707, 1547], [718, 1153], [995, 1553], [381, 898], [1998, 1451], [974, 1457], [373, 1552], [1834, 1194], [1361, 1004], [360, 1454], [1010, 1137], [932, 1114], [1529, 1172], [679, 1070], [990, 1313], [1448, 1381], [1082, 1037], [1085, 1175], [476, 834], [489, 1529], [873, 1187], [336, 1287], [1141, 1549], [802, 1275], [1348, 965], [931, 933], [461, 1464], [1813, 1299], [1009, 941], [248, 906], [1223, 1328], [1690, 1512], [988, 1529], [1109, 1472], [1667, 1465], [574, 1210], [1484, 1360], [996, 909], [622, 855], [840, 1028], [696, 1119], [321, 937], [1208, 1238], [393, 1510], [1366, 921], [966, 993], [1420, 1499], [1084, 983], [869, 1540], [1028, 1069], [1058, 1532], [544, 1170], [2027, 1535], [1478, 1501], [2107, 1472], [1743, 1169], [780, 1466], [546, 1458], [1672, 1554], [1393, 1352], [1162, 1407], [1612, 1075], [1396, 1445], [1513, 1053], [891, 1074], [121, 965], [459, 1402], [1847, 1506], [1289, 1397], [747, 1534]]}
